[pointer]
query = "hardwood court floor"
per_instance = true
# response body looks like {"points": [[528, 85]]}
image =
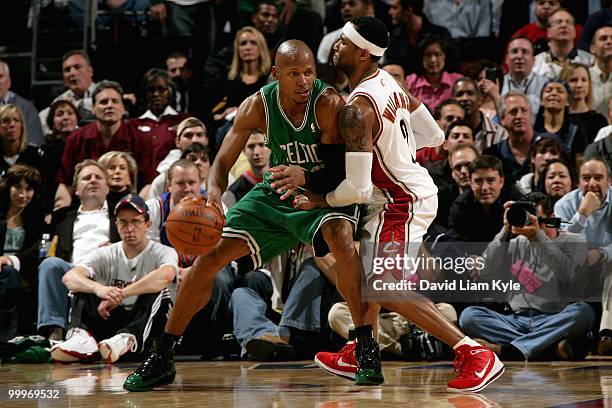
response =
{"points": [[302, 384]]}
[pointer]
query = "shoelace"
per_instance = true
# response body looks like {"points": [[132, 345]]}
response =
{"points": [[465, 369], [347, 349], [131, 337]]}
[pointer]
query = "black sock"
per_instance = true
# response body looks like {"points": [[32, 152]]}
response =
{"points": [[509, 352], [168, 341], [363, 332]]}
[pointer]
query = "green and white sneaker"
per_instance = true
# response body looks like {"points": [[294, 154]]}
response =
{"points": [[368, 358], [157, 369]]}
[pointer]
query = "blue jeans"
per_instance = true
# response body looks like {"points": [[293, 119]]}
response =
{"points": [[302, 308], [53, 299], [530, 334]]}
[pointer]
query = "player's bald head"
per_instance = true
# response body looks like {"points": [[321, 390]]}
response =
{"points": [[293, 52]]}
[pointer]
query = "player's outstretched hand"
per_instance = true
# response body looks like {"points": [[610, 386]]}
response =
{"points": [[287, 180]]}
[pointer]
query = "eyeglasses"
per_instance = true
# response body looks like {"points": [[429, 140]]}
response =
{"points": [[452, 118], [131, 223], [459, 166], [551, 222]]}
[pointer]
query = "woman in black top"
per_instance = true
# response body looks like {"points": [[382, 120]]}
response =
{"points": [[553, 117], [21, 225], [14, 145], [122, 172], [62, 120], [247, 74], [581, 111]]}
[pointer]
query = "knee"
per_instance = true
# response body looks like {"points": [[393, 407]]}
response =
{"points": [[309, 271], [584, 314], [51, 269], [339, 237], [258, 282], [240, 295], [469, 319], [339, 317]]}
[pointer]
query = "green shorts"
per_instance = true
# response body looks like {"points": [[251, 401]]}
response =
{"points": [[271, 226]]}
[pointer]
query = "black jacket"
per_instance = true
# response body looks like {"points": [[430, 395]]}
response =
{"points": [[469, 222], [33, 224], [63, 225]]}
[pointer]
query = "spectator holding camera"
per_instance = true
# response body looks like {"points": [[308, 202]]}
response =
{"points": [[547, 263], [587, 211]]}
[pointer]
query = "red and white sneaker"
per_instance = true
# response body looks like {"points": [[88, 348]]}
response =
{"points": [[112, 349], [78, 346], [476, 367], [342, 363]]}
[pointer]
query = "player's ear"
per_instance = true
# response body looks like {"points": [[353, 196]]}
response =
{"points": [[364, 55], [275, 72]]}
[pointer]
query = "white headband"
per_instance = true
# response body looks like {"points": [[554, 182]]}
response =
{"points": [[349, 32]]}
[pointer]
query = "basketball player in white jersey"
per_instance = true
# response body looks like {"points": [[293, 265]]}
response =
{"points": [[383, 126]]}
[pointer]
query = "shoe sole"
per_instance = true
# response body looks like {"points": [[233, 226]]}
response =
{"points": [[369, 377], [496, 372], [262, 350], [342, 374], [106, 353], [66, 356], [163, 380]]}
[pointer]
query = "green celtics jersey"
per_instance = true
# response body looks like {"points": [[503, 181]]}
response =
{"points": [[292, 145]]}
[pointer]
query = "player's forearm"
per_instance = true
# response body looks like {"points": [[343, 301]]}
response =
{"points": [[218, 177], [357, 186], [427, 132], [153, 282]]}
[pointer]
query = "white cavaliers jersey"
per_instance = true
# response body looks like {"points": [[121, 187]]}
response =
{"points": [[396, 175]]}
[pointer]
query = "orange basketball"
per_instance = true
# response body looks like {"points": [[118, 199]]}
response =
{"points": [[192, 228]]}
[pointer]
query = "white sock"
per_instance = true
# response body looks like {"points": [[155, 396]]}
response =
{"points": [[468, 341]]}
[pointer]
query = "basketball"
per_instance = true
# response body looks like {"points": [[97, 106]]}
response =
{"points": [[192, 228]]}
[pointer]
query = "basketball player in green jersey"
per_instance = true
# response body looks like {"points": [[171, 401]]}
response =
{"points": [[300, 115]]}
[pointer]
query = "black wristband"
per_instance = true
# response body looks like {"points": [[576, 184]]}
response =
{"points": [[306, 179]]}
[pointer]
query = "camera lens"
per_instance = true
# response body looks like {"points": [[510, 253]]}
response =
{"points": [[517, 216]]}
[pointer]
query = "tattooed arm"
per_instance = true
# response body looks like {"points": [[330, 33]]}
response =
{"points": [[356, 123]]}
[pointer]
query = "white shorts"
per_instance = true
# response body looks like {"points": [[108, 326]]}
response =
{"points": [[394, 230]]}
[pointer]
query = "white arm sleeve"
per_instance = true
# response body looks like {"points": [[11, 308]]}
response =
{"points": [[357, 187], [427, 132]]}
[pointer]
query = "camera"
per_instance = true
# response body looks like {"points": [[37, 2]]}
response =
{"points": [[491, 74], [518, 213]]}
